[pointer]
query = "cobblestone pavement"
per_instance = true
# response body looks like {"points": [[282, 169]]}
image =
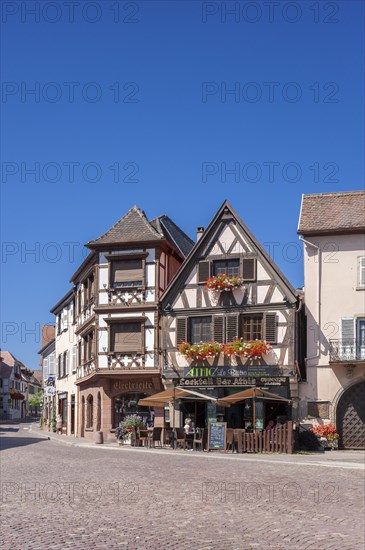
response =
{"points": [[57, 496]]}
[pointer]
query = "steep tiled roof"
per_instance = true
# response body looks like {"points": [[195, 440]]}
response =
{"points": [[332, 213], [164, 225], [133, 227]]}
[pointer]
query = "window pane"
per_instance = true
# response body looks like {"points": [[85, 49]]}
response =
{"points": [[252, 328], [200, 329], [228, 267]]}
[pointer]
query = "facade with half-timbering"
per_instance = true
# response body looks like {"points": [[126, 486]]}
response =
{"points": [[117, 290], [264, 307]]}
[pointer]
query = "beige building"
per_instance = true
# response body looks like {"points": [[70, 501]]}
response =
{"points": [[332, 227]]}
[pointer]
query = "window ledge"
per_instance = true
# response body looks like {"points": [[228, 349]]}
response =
{"points": [[360, 288], [89, 429]]}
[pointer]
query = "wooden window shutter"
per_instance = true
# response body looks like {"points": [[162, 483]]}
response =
{"points": [[218, 328], [347, 329], [231, 327], [249, 269], [203, 271], [127, 337], [127, 270], [181, 330], [271, 328]]}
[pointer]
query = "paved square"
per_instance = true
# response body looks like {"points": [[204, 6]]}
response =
{"points": [[59, 496]]}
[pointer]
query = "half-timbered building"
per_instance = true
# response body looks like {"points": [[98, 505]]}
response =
{"points": [[262, 307], [118, 287]]}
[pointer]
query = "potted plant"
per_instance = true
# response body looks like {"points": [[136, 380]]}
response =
{"points": [[54, 425], [128, 429], [201, 351], [254, 349], [223, 282], [327, 435]]}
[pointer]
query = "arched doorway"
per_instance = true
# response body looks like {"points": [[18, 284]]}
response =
{"points": [[90, 412], [350, 417], [98, 414]]}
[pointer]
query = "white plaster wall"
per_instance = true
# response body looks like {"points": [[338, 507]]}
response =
{"points": [[339, 295], [150, 275], [103, 277], [261, 293]]}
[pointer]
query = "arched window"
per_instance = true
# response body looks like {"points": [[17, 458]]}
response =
{"points": [[89, 411]]}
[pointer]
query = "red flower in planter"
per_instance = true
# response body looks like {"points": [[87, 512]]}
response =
{"points": [[204, 350], [326, 430], [223, 282], [252, 349]]}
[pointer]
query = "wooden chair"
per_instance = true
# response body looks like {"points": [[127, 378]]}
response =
{"points": [[180, 438], [229, 439], [143, 437], [156, 437], [200, 439]]}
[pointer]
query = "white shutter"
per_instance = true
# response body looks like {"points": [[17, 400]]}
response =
{"points": [[74, 358], [347, 329], [347, 347], [51, 364], [362, 271], [45, 368], [65, 318], [67, 361]]}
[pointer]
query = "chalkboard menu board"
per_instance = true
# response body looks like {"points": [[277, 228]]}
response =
{"points": [[217, 435]]}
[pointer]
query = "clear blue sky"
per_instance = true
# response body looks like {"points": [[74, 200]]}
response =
{"points": [[298, 73]]}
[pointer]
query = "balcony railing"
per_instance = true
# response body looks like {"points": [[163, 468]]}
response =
{"points": [[346, 350]]}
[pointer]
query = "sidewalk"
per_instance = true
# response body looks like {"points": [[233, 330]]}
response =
{"points": [[354, 460], [67, 439]]}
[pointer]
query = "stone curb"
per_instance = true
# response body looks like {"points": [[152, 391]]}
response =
{"points": [[205, 455]]}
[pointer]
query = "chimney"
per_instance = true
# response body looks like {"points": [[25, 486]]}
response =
{"points": [[199, 233], [48, 334]]}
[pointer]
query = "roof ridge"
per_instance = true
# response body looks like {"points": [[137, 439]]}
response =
{"points": [[327, 193], [143, 218]]}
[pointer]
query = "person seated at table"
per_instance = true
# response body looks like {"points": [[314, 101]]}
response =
{"points": [[270, 425], [188, 428]]}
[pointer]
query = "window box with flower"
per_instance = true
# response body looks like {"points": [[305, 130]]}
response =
{"points": [[204, 350], [223, 282], [253, 349]]}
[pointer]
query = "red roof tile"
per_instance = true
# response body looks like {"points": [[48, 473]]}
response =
{"points": [[332, 213]]}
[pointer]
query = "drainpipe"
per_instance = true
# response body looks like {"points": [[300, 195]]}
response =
{"points": [[307, 359]]}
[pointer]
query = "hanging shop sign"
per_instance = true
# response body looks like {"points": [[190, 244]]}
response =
{"points": [[49, 391]]}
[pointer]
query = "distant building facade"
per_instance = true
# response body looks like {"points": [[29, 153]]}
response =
{"points": [[11, 385], [48, 364]]}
